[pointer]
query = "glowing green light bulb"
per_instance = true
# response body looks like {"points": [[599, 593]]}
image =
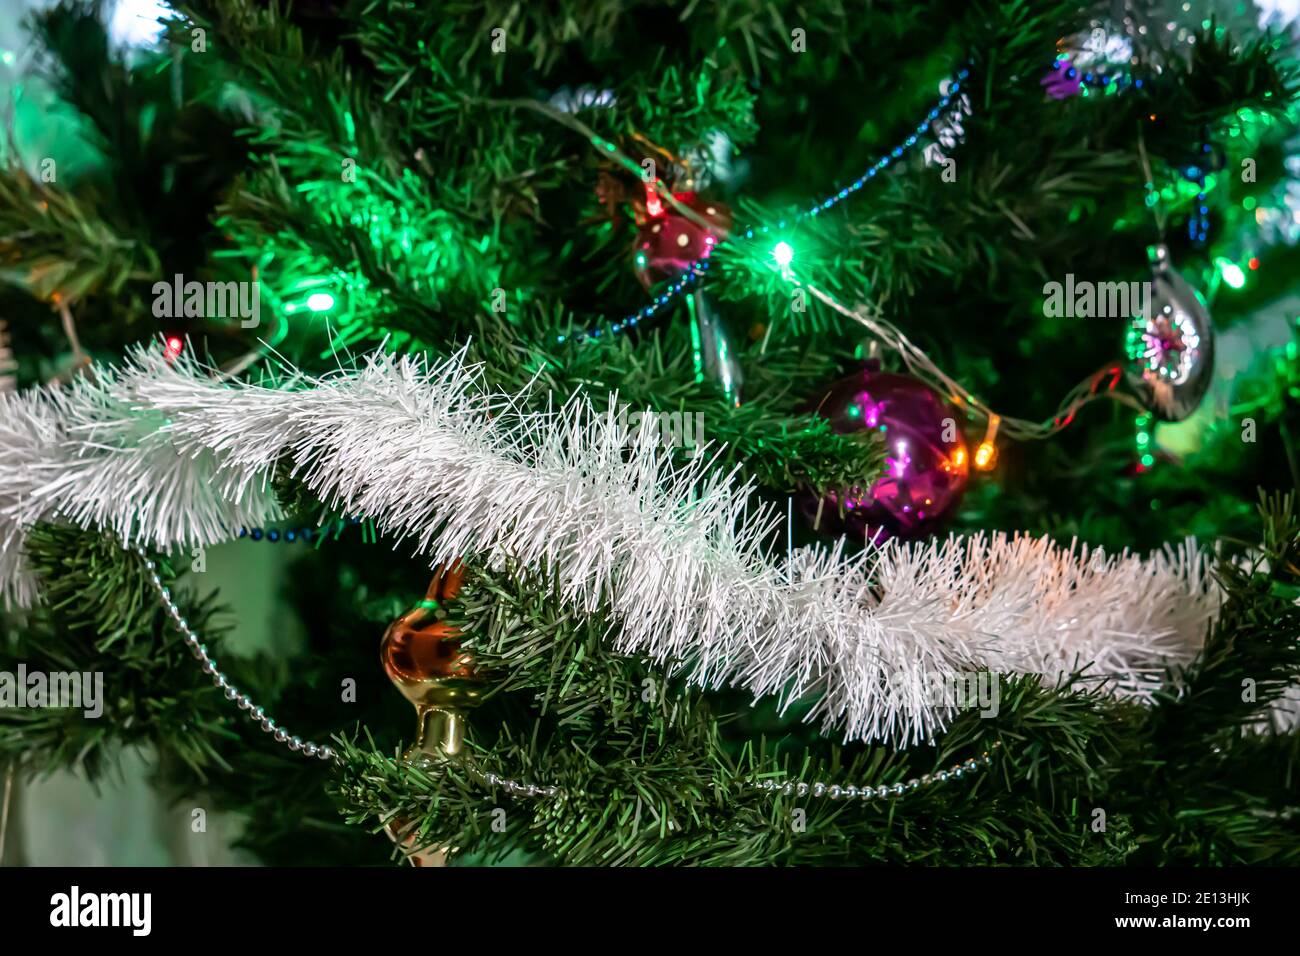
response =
{"points": [[1231, 273], [320, 301], [783, 253]]}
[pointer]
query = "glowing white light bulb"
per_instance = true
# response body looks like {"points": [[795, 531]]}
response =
{"points": [[134, 23]]}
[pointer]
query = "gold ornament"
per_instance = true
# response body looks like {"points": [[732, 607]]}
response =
{"points": [[425, 659]]}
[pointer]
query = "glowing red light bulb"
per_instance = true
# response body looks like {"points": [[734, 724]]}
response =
{"points": [[654, 206]]}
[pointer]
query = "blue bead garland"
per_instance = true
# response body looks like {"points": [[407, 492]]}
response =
{"points": [[896, 153], [697, 269], [290, 535], [1198, 226], [1098, 81]]}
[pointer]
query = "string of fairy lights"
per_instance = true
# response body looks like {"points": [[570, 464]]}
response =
{"points": [[1197, 179], [781, 258], [1101, 384]]}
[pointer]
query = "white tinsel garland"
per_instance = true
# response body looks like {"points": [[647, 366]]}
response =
{"points": [[163, 454]]}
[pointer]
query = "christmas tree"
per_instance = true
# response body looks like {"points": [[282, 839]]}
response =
{"points": [[710, 434]]}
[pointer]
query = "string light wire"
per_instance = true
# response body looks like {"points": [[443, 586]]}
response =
{"points": [[923, 367]]}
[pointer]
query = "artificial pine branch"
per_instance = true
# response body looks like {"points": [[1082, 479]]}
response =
{"points": [[679, 796], [765, 438], [99, 616]]}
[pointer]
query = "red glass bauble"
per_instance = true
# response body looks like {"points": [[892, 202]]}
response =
{"points": [[670, 243]]}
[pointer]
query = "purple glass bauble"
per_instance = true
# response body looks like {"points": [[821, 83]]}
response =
{"points": [[926, 463]]}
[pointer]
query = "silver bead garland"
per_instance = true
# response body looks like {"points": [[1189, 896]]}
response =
{"points": [[850, 792], [308, 748], [516, 788], [305, 747]]}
